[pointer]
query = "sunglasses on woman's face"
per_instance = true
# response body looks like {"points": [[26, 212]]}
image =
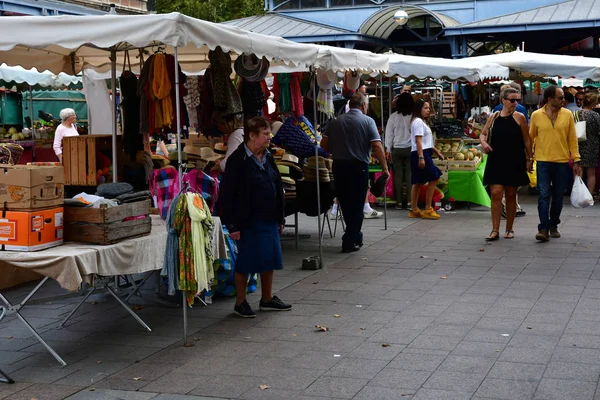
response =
{"points": [[513, 100]]}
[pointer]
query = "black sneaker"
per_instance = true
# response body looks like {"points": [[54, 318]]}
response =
{"points": [[521, 213], [503, 212], [274, 305], [244, 310]]}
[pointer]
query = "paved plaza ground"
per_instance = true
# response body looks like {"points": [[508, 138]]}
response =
{"points": [[426, 310]]}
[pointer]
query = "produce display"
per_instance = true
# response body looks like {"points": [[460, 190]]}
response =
{"points": [[458, 156], [13, 134]]}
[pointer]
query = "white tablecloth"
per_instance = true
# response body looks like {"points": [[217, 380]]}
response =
{"points": [[73, 263]]}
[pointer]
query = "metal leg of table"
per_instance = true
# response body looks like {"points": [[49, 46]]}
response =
{"points": [[296, 229], [129, 310], [73, 311], [136, 288], [4, 378], [15, 309]]}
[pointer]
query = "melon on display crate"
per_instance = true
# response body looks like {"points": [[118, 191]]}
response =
{"points": [[83, 158]]}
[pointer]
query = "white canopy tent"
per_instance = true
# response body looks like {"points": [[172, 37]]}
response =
{"points": [[529, 65], [12, 76], [471, 70]]}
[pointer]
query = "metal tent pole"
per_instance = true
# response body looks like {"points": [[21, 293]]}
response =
{"points": [[113, 86], [177, 119], [317, 166], [383, 143]]}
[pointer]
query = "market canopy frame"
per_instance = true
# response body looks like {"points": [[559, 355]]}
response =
{"points": [[470, 70], [526, 65]]}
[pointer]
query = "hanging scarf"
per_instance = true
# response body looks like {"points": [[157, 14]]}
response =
{"points": [[225, 96], [285, 97], [296, 94], [325, 102], [183, 226], [266, 93], [202, 226], [161, 88], [171, 262]]}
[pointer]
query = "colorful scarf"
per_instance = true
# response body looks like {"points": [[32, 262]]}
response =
{"points": [[202, 226], [183, 226]]}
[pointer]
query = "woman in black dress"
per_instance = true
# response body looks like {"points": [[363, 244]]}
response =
{"points": [[509, 158]]}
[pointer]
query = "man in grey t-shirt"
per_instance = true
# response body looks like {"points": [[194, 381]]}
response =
{"points": [[350, 139]]}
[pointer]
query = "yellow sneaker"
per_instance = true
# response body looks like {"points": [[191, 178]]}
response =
{"points": [[415, 213], [430, 214]]}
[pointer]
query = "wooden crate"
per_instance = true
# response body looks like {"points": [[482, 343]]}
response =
{"points": [[449, 104], [80, 157], [463, 165], [451, 153], [105, 225]]}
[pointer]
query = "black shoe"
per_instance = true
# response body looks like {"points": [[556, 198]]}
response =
{"points": [[542, 235], [359, 244], [521, 213], [244, 310], [274, 305], [350, 249]]}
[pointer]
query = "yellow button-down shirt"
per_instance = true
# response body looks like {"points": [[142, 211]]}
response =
{"points": [[554, 142]]}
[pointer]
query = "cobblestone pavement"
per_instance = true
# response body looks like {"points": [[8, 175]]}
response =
{"points": [[426, 310]]}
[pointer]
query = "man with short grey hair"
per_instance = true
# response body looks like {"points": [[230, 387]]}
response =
{"points": [[350, 139]]}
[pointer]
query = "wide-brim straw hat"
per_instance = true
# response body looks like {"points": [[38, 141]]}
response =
{"points": [[192, 151], [289, 164], [312, 163], [251, 67], [290, 157], [288, 180], [220, 148], [326, 79], [208, 154], [275, 127]]}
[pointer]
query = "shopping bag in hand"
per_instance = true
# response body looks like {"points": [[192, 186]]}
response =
{"points": [[580, 195]]}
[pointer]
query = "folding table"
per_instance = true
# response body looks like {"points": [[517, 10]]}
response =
{"points": [[74, 263]]}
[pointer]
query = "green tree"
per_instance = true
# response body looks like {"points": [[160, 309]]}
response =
{"points": [[212, 10]]}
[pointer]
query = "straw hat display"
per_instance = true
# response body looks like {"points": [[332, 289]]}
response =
{"points": [[208, 155], [251, 67], [220, 148], [310, 170], [289, 184], [192, 151]]}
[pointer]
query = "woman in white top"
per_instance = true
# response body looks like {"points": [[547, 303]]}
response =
{"points": [[65, 129], [398, 144], [424, 170], [232, 128]]}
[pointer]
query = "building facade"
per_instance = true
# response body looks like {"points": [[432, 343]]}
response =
{"points": [[443, 28], [71, 7]]}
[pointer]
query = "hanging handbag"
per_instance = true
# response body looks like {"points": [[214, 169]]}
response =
{"points": [[580, 126], [488, 138]]}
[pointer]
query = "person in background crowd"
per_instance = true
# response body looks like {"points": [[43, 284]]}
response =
{"points": [[398, 144], [509, 159], [579, 98], [252, 194], [67, 128], [570, 101], [232, 129], [590, 147], [350, 139], [552, 131], [521, 109], [423, 170]]}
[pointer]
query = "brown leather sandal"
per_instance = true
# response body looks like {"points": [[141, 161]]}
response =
{"points": [[494, 235]]}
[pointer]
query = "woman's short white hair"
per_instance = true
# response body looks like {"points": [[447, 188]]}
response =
{"points": [[66, 113]]}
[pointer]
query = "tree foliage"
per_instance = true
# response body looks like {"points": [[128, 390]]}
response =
{"points": [[212, 10]]}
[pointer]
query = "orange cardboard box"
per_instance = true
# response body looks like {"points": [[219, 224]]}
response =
{"points": [[27, 187], [31, 230]]}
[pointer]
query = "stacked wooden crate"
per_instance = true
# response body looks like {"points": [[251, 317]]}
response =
{"points": [[449, 104]]}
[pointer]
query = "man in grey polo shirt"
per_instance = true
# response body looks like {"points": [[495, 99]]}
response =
{"points": [[350, 139]]}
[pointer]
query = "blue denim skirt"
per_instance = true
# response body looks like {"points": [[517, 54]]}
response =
{"points": [[259, 248], [427, 174]]}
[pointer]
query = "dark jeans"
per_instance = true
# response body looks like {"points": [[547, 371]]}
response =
{"points": [[351, 185], [552, 181]]}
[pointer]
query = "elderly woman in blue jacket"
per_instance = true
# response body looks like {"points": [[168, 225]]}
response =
{"points": [[252, 211]]}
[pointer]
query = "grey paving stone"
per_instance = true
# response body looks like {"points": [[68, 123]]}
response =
{"points": [[175, 382], [456, 381], [452, 330], [458, 319], [7, 390], [506, 389], [437, 394], [383, 393], [570, 354], [466, 364], [41, 374], [376, 351], [182, 397], [400, 378], [517, 371], [401, 336], [417, 361], [228, 386], [104, 394], [551, 389], [478, 349], [580, 341], [329, 386], [533, 340], [45, 391], [143, 373], [357, 368], [575, 371], [435, 342]]}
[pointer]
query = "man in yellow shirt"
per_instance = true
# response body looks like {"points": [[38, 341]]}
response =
{"points": [[552, 130]]}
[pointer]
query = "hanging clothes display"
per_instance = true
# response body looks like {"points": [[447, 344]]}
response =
{"points": [[326, 81], [252, 72], [192, 100], [130, 110], [144, 95], [296, 94], [253, 98], [161, 92], [183, 226], [202, 227], [225, 96], [283, 97], [183, 120], [204, 184], [164, 186], [171, 262]]}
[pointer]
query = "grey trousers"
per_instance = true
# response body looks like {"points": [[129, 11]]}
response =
{"points": [[401, 163]]}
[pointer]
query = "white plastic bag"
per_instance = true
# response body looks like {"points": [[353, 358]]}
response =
{"points": [[580, 195]]}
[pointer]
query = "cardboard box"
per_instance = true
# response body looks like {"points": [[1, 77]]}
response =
{"points": [[29, 187], [31, 230]]}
